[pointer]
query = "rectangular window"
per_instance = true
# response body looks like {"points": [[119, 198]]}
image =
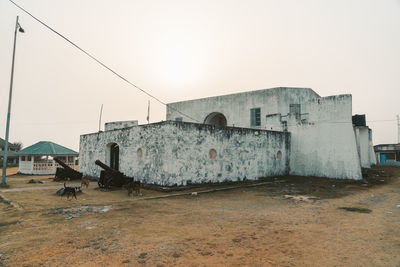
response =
{"points": [[178, 119], [29, 158], [390, 156], [255, 116], [294, 108]]}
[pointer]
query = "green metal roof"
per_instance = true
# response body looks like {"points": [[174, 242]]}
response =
{"points": [[47, 148]]}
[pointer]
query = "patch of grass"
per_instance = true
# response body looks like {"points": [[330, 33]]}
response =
{"points": [[353, 209]]}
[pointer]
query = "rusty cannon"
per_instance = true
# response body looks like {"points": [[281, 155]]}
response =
{"points": [[66, 172], [110, 177]]}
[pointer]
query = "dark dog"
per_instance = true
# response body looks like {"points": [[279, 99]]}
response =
{"points": [[85, 182], [134, 186], [69, 191]]}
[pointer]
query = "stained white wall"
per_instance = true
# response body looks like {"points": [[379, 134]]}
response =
{"points": [[323, 142], [324, 145], [364, 146], [236, 107], [108, 126], [362, 137], [175, 153], [371, 154]]}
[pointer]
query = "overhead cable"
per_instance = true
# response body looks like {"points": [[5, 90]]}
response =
{"points": [[98, 61]]}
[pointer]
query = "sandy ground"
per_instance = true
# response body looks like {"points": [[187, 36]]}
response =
{"points": [[286, 221], [10, 171]]}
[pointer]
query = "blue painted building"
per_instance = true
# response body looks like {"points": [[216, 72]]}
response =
{"points": [[387, 154]]}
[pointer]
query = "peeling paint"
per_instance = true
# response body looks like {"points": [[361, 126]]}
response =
{"points": [[175, 153]]}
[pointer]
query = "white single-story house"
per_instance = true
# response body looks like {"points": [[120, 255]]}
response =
{"points": [[38, 158]]}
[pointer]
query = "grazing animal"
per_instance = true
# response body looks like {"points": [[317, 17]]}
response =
{"points": [[69, 191], [85, 182], [134, 186]]}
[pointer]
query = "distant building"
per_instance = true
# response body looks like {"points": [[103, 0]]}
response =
{"points": [[240, 136], [388, 154], [12, 156], [38, 158]]}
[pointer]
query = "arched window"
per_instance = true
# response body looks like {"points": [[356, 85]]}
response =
{"points": [[216, 118]]}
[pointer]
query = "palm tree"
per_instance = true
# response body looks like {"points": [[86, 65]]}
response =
{"points": [[18, 146]]}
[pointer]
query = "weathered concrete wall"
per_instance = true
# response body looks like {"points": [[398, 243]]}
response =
{"points": [[236, 107], [115, 125], [323, 140], [175, 153], [325, 144], [372, 157], [363, 146]]}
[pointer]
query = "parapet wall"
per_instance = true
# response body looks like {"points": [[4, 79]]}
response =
{"points": [[175, 153], [236, 107], [115, 125]]}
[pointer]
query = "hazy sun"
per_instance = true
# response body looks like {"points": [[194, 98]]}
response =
{"points": [[180, 65]]}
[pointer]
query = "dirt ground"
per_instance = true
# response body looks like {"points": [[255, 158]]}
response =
{"points": [[282, 221], [10, 171]]}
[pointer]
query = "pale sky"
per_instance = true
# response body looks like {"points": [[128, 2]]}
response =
{"points": [[179, 50]]}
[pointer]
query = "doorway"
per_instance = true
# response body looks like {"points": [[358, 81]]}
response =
{"points": [[114, 156]]}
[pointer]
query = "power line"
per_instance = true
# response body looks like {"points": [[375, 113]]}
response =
{"points": [[119, 75], [98, 61]]}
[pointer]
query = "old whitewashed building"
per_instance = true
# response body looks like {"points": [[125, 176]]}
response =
{"points": [[238, 136]]}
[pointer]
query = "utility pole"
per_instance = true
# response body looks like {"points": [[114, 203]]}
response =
{"points": [[3, 177]]}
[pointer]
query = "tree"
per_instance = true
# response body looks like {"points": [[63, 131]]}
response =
{"points": [[18, 145]]}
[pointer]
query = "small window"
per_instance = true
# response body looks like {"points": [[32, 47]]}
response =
{"points": [[29, 158], [390, 156], [279, 155], [212, 153], [178, 119], [294, 108], [255, 117], [139, 153], [22, 158]]}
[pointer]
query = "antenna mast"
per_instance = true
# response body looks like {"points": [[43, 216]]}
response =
{"points": [[101, 112], [148, 113]]}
